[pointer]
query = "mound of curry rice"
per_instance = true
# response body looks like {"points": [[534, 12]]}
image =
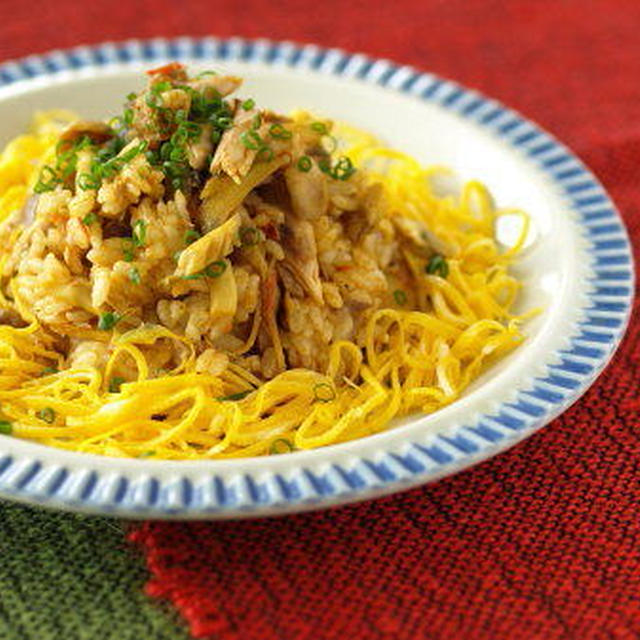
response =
{"points": [[199, 277]]}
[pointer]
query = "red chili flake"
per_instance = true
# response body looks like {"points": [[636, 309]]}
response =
{"points": [[166, 69], [343, 267], [270, 232]]}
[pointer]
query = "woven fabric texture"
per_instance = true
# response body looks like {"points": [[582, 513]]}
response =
{"points": [[71, 577], [540, 543]]}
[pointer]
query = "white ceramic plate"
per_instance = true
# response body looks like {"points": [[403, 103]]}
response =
{"points": [[577, 266]]}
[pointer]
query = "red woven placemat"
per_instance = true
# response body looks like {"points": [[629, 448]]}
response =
{"points": [[542, 542]]}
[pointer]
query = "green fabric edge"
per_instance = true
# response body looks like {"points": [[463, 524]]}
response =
{"points": [[74, 577]]}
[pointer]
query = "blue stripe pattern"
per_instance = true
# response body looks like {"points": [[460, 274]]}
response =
{"points": [[138, 492]]}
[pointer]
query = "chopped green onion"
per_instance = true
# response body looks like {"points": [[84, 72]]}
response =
{"points": [[132, 96], [251, 140], [247, 105], [115, 384], [83, 142], [281, 445], [235, 396], [47, 414], [86, 182], [304, 164], [146, 454], [108, 320], [5, 427], [343, 169], [324, 392], [90, 218], [214, 270], [191, 235], [400, 297], [224, 122], [134, 275], [161, 87], [279, 132], [49, 370], [249, 236], [47, 181], [265, 151], [127, 249], [256, 122], [139, 233], [437, 265], [189, 130], [66, 162], [130, 154], [320, 127], [61, 145], [127, 117]]}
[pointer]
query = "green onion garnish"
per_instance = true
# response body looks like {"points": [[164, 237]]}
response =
{"points": [[265, 151], [130, 154], [249, 236], [139, 233], [108, 320], [161, 87], [48, 371], [247, 105], [304, 164], [281, 445], [251, 140], [214, 270], [86, 181], [47, 414], [324, 392], [134, 275], [224, 122], [320, 127], [279, 132], [127, 117], [90, 218], [400, 297], [437, 265], [191, 235], [146, 454], [342, 170], [127, 249], [47, 181], [115, 383], [5, 427]]}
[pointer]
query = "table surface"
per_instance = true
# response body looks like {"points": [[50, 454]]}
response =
{"points": [[541, 542]]}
